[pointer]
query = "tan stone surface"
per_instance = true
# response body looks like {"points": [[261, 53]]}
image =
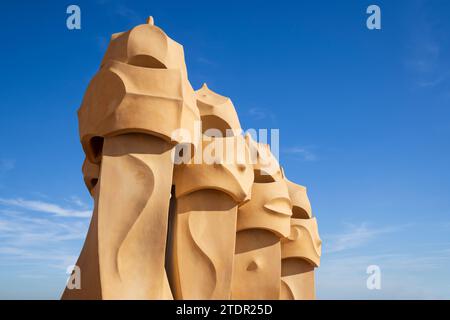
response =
{"points": [[301, 250], [91, 172], [142, 86], [216, 111], [204, 225], [229, 226], [261, 224]]}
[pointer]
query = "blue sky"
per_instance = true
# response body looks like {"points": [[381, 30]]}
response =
{"points": [[364, 119]]}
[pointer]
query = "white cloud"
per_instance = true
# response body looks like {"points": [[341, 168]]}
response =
{"points": [[130, 14], [260, 114], [426, 57], [38, 243], [432, 82], [355, 236], [102, 43], [7, 165], [38, 259], [77, 201], [206, 61], [305, 153], [257, 113], [403, 276], [20, 230], [39, 246], [418, 271], [42, 243], [41, 206]]}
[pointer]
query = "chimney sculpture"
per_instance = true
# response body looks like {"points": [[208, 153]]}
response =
{"points": [[221, 223]]}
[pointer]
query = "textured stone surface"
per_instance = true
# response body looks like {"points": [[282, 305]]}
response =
{"points": [[224, 227]]}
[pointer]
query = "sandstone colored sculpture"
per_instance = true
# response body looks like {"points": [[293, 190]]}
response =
{"points": [[185, 205], [261, 224], [204, 229], [301, 250]]}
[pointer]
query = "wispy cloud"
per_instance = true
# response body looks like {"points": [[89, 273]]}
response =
{"points": [[426, 64], [426, 58], [403, 276], [47, 207], [38, 259], [77, 201], [206, 61], [51, 241], [40, 246], [21, 229], [119, 9], [305, 153], [412, 272], [7, 165], [130, 14], [260, 113], [355, 236], [102, 43], [434, 81]]}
